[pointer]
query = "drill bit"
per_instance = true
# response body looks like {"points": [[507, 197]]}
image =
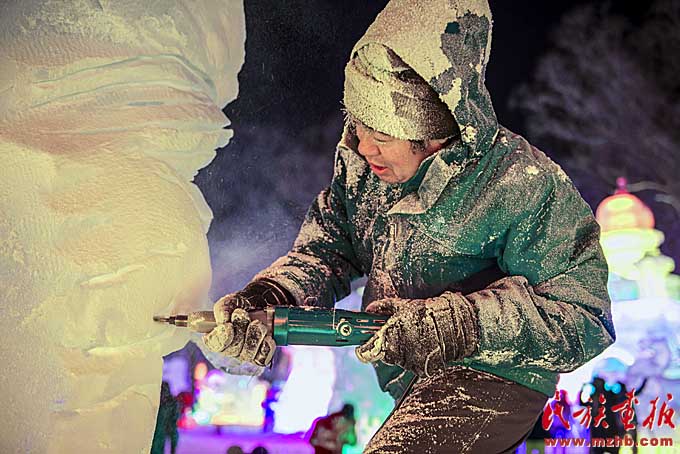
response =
{"points": [[201, 321], [177, 320]]}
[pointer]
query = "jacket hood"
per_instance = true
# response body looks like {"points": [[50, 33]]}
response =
{"points": [[447, 42]]}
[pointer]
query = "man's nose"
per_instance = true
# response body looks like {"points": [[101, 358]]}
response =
{"points": [[367, 147]]}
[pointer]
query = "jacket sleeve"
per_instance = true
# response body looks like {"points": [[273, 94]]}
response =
{"points": [[322, 263], [552, 311]]}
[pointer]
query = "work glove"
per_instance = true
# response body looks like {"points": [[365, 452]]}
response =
{"points": [[236, 335], [422, 336]]}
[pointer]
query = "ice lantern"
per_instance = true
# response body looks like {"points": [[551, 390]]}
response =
{"points": [[631, 244]]}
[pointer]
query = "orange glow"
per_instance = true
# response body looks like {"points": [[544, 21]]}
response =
{"points": [[624, 211]]}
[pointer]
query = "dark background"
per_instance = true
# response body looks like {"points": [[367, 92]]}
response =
{"points": [[296, 52]]}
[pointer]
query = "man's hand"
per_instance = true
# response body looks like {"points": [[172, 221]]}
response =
{"points": [[422, 336], [238, 336]]}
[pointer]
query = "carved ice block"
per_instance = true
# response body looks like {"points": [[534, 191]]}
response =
{"points": [[107, 111]]}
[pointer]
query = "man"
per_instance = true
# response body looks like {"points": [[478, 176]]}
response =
{"points": [[332, 432], [475, 243]]}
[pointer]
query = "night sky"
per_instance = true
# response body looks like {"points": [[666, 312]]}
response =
{"points": [[296, 52]]}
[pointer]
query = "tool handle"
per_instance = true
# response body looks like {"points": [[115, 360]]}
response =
{"points": [[299, 325]]}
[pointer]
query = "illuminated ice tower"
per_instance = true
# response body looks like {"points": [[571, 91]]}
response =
{"points": [[631, 245], [645, 305], [645, 295]]}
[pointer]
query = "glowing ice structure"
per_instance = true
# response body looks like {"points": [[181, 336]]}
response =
{"points": [[236, 400], [645, 307], [308, 391], [225, 399], [107, 111]]}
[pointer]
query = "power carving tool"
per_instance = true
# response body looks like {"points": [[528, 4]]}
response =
{"points": [[297, 325]]}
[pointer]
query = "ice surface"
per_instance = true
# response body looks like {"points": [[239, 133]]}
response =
{"points": [[107, 111]]}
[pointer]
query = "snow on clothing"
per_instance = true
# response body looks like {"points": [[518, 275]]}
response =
{"points": [[467, 411], [489, 218]]}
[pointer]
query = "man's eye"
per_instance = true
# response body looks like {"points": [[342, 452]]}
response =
{"points": [[361, 130]]}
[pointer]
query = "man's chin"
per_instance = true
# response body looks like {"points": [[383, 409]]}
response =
{"points": [[391, 178]]}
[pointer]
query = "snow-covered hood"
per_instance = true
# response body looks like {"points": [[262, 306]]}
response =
{"points": [[447, 43]]}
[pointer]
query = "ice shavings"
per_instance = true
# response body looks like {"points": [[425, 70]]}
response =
{"points": [[450, 412], [531, 170], [469, 134]]}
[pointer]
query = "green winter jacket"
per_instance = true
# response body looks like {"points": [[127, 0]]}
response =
{"points": [[489, 217]]}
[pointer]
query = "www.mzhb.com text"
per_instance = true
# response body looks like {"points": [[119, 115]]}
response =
{"points": [[614, 442]]}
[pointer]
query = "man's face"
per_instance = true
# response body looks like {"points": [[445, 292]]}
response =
{"points": [[392, 160]]}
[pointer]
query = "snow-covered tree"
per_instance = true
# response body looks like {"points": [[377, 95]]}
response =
{"points": [[605, 103]]}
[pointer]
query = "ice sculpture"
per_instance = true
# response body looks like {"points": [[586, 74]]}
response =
{"points": [[107, 111]]}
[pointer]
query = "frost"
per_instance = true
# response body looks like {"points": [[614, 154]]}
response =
{"points": [[531, 170], [411, 204], [469, 134], [450, 411], [454, 96], [561, 174], [312, 232], [356, 168]]}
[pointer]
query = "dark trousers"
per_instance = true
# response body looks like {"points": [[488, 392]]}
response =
{"points": [[460, 411]]}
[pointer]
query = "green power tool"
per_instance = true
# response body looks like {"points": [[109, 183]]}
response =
{"points": [[297, 325]]}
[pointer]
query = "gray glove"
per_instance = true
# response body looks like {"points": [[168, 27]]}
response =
{"points": [[236, 335], [423, 336]]}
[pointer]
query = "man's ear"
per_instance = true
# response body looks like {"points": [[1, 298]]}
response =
{"points": [[436, 144]]}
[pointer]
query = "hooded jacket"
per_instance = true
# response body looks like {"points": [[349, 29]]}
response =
{"points": [[489, 217]]}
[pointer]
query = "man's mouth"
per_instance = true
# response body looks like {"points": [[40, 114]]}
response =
{"points": [[376, 168]]}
